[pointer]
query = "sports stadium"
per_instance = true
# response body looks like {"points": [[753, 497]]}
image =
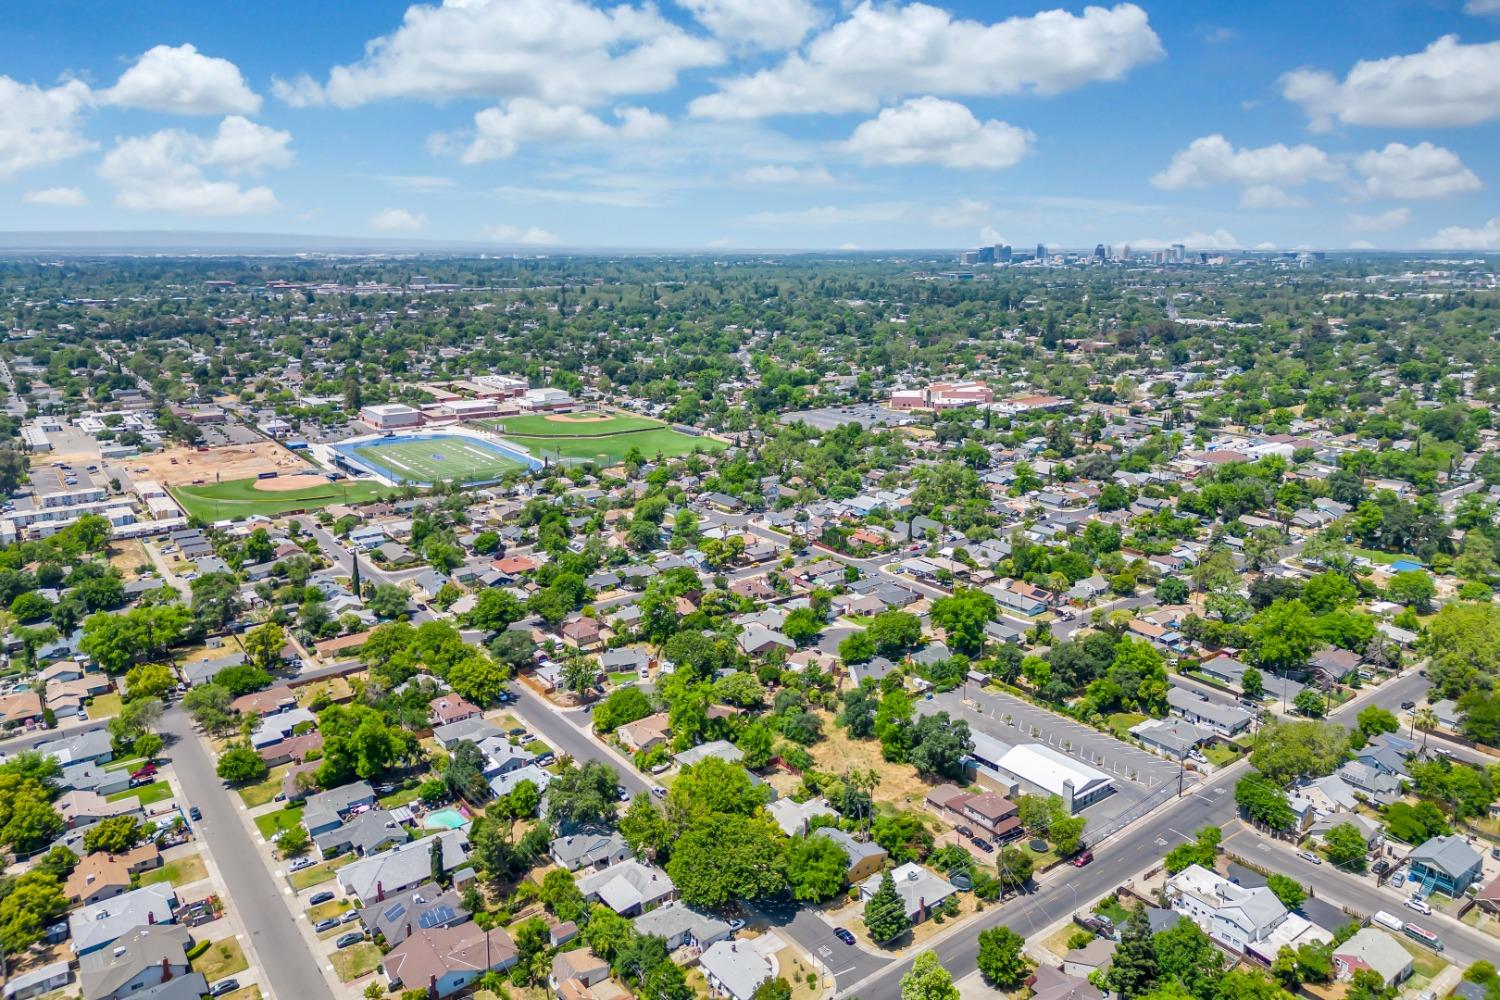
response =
{"points": [[453, 455]]}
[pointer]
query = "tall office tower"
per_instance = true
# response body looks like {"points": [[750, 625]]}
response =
{"points": [[1041, 251]]}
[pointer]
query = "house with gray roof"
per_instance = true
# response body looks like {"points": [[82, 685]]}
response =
{"points": [[423, 906], [91, 747], [374, 877], [681, 925], [1225, 720], [865, 858], [97, 926], [734, 970], [473, 729], [920, 889], [325, 811], [367, 833], [722, 749], [144, 957], [1444, 864], [628, 888], [596, 849]]}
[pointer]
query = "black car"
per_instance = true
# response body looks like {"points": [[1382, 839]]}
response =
{"points": [[352, 938], [964, 831], [319, 897], [843, 935], [223, 986], [982, 844], [1408, 705], [195, 814]]}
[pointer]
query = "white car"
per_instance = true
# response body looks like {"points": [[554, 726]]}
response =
{"points": [[1419, 905], [1310, 856]]}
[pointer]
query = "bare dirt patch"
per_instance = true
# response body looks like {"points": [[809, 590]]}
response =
{"points": [[285, 484], [178, 466], [837, 754], [579, 418]]}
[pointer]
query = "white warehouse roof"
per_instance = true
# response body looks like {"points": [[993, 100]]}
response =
{"points": [[1046, 768]]}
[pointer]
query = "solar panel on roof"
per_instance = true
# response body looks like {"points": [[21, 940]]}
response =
{"points": [[436, 916], [393, 913]]}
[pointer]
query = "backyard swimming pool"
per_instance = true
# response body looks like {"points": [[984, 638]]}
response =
{"points": [[445, 819]]}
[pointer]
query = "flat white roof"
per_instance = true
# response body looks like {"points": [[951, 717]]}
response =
{"points": [[1046, 768]]}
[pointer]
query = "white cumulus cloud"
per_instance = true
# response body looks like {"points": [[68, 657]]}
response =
{"points": [[1446, 84], [39, 126], [1270, 196], [766, 24], [884, 52], [60, 197], [397, 220], [181, 80], [166, 171], [500, 131], [1485, 237], [1213, 160], [557, 51], [1219, 239], [1481, 7], [1393, 218], [931, 130], [527, 235], [816, 175], [1420, 171]]}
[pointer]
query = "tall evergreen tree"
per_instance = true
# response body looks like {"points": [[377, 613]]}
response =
{"points": [[885, 913], [1133, 972]]}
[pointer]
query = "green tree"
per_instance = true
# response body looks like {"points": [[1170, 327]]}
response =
{"points": [[1251, 684], [1000, 960], [1014, 867], [1185, 954], [1133, 971], [857, 647], [293, 841], [645, 828], [963, 617], [478, 679], [1288, 750], [1287, 889], [149, 680], [726, 857], [1414, 588], [114, 835], [1262, 801], [582, 795], [885, 913], [241, 765], [928, 980], [894, 632], [815, 868], [263, 644], [1346, 847], [32, 903]]}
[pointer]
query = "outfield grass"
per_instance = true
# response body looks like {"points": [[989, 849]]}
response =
{"points": [[440, 459], [613, 449], [542, 425], [238, 498]]}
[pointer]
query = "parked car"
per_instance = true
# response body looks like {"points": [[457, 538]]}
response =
{"points": [[300, 864], [347, 940], [1421, 906], [1407, 706], [349, 917], [223, 986], [149, 771], [326, 925], [1082, 858], [622, 793], [982, 844], [1309, 856], [964, 831], [320, 897], [843, 934], [195, 814], [1381, 866]]}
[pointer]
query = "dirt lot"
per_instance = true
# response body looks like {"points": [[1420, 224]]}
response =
{"points": [[216, 464], [837, 754]]}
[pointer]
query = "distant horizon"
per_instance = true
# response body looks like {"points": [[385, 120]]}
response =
{"points": [[230, 242]]}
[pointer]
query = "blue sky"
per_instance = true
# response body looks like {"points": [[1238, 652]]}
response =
{"points": [[750, 124]]}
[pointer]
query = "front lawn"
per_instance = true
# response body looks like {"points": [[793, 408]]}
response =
{"points": [[125, 764], [332, 908], [181, 872], [1110, 907], [271, 823], [1221, 756], [265, 791], [318, 874], [223, 958], [156, 791], [104, 706], [356, 960]]}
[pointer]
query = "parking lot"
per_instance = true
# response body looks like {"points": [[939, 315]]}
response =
{"points": [[1138, 775]]}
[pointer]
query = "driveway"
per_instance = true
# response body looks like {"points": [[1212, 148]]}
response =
{"points": [[287, 967]]}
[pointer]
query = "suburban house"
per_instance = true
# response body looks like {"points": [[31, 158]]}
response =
{"points": [[628, 888], [1374, 949], [1444, 864], [643, 734], [683, 926], [1246, 920], [445, 960], [1225, 720], [796, 817], [372, 878], [96, 927], [920, 889], [145, 956], [427, 905], [325, 811], [100, 876], [595, 849], [734, 970], [865, 859]]}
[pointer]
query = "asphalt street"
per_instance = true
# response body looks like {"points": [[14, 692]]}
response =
{"points": [[565, 737], [848, 964], [287, 967]]}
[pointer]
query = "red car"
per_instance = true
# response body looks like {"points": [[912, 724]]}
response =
{"points": [[1079, 860], [149, 771]]}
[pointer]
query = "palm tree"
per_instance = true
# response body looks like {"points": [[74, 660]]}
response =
{"points": [[1426, 720]]}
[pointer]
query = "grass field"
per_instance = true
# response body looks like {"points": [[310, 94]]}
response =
{"points": [[541, 425], [156, 791], [237, 498], [438, 460], [104, 706], [271, 823], [605, 441], [183, 871]]}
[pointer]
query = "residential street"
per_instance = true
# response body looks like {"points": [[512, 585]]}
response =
{"points": [[565, 737], [289, 969]]}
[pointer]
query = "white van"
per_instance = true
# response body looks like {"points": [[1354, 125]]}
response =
{"points": [[1388, 920]]}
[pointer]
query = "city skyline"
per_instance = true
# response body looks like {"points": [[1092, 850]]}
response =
{"points": [[791, 124]]}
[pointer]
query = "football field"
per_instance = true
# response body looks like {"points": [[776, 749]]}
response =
{"points": [[438, 459]]}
